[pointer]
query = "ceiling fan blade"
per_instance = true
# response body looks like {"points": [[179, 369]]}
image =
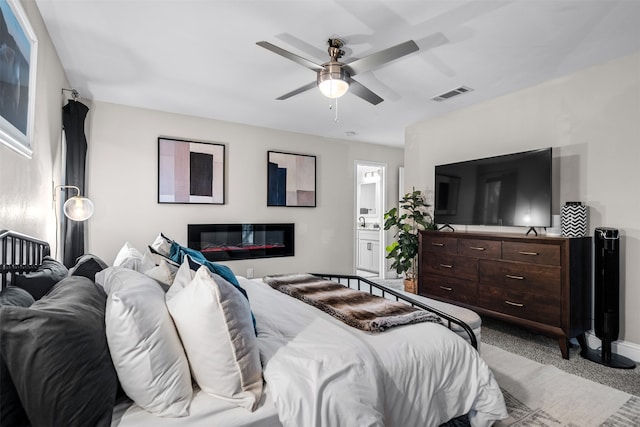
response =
{"points": [[297, 91], [292, 56], [361, 91], [382, 57]]}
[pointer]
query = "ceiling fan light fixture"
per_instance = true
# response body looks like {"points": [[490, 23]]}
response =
{"points": [[333, 81]]}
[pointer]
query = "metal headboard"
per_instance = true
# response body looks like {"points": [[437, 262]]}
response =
{"points": [[20, 253], [349, 280]]}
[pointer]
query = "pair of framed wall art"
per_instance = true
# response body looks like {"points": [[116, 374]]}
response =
{"points": [[194, 173]]}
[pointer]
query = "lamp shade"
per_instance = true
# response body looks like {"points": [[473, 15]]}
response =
{"points": [[78, 208], [333, 81]]}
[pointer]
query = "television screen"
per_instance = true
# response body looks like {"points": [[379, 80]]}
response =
{"points": [[509, 190]]}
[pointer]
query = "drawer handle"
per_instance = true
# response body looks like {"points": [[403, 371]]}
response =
{"points": [[528, 253], [437, 244], [515, 304], [510, 276], [477, 248], [446, 288], [446, 266]]}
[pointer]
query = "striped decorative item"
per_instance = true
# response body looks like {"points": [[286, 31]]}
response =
{"points": [[574, 219]]}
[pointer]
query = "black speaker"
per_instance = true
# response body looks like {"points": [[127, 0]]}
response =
{"points": [[606, 299]]}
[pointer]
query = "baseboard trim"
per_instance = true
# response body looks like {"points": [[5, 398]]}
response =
{"points": [[623, 348]]}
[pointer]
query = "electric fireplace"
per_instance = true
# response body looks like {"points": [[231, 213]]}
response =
{"points": [[226, 242]]}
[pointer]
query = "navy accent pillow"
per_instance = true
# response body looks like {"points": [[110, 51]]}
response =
{"points": [[87, 266], [58, 348], [42, 280], [11, 411]]}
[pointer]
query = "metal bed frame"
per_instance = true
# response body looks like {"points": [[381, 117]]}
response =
{"points": [[366, 285], [19, 254]]}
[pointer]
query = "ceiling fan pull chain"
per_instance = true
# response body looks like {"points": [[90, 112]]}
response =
{"points": [[336, 118]]}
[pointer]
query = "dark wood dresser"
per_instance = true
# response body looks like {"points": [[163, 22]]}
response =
{"points": [[541, 283]]}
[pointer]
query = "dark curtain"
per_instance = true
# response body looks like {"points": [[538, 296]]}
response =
{"points": [[73, 115]]}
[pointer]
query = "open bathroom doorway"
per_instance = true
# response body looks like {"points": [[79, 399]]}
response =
{"points": [[370, 184]]}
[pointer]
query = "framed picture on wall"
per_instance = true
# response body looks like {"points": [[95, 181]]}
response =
{"points": [[18, 56], [291, 179], [190, 172]]}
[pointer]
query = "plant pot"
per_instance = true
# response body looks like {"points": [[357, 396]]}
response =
{"points": [[411, 286]]}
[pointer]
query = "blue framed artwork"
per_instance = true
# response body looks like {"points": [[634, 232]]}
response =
{"points": [[190, 172], [291, 179], [18, 56]]}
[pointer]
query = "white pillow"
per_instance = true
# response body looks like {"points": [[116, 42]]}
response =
{"points": [[214, 323], [162, 245], [130, 257], [163, 273], [101, 278], [148, 261], [183, 277], [157, 257], [144, 344]]}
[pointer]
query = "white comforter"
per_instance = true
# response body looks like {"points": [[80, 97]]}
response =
{"points": [[322, 372]]}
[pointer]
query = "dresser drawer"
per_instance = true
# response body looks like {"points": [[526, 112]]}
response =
{"points": [[479, 248], [531, 278], [439, 244], [450, 288], [538, 308], [531, 252], [460, 267]]}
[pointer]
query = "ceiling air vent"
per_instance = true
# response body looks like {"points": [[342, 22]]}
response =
{"points": [[455, 92]]}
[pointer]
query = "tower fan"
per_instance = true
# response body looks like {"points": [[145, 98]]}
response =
{"points": [[606, 301]]}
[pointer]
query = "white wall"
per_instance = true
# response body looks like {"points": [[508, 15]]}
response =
{"points": [[26, 184], [122, 179], [592, 121]]}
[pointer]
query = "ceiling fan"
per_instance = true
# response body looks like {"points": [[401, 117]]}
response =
{"points": [[334, 78]]}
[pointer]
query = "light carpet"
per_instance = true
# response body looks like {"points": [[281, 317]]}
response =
{"points": [[543, 395]]}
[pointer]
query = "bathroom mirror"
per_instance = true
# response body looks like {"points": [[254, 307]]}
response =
{"points": [[367, 199]]}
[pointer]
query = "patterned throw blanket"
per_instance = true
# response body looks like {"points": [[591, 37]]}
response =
{"points": [[355, 308]]}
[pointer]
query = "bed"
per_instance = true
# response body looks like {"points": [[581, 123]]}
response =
{"points": [[314, 369]]}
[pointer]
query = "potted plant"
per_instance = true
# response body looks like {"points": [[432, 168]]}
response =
{"points": [[412, 217]]}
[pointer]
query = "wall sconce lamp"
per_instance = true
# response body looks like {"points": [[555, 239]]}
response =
{"points": [[76, 208]]}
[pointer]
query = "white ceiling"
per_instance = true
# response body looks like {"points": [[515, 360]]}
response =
{"points": [[200, 58]]}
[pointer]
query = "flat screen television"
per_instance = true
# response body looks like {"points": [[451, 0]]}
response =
{"points": [[508, 190]]}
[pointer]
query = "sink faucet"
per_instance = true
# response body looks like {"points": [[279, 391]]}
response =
{"points": [[364, 223]]}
